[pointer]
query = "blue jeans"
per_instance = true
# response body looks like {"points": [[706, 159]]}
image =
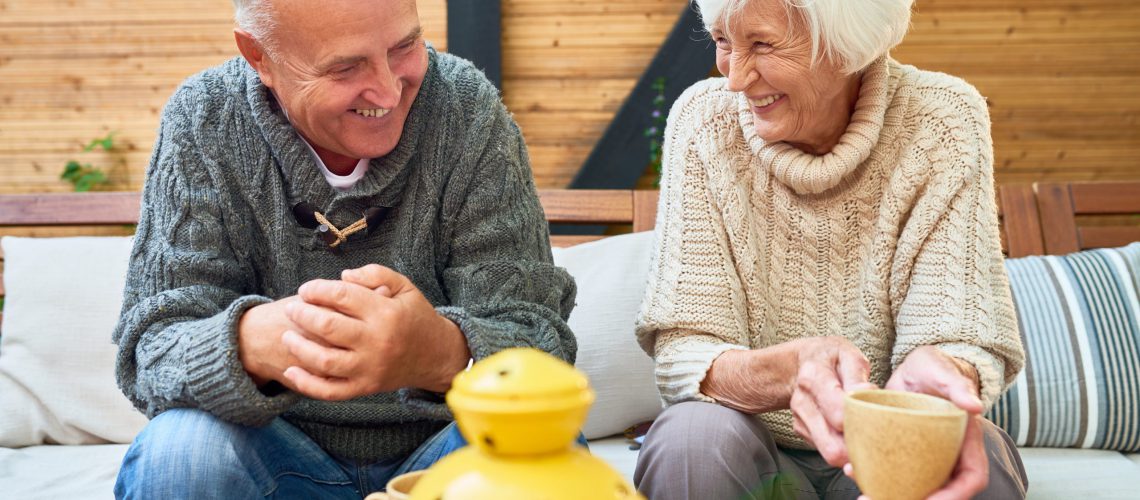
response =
{"points": [[185, 453]]}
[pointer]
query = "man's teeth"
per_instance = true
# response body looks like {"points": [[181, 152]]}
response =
{"points": [[372, 113], [760, 103]]}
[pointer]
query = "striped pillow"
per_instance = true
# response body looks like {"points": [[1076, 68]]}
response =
{"points": [[1080, 322]]}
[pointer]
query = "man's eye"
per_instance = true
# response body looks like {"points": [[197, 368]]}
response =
{"points": [[406, 45]]}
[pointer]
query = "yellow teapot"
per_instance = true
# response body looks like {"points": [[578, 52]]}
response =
{"points": [[521, 410]]}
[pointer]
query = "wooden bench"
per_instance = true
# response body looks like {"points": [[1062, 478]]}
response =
{"points": [[635, 209], [1062, 218], [1038, 219]]}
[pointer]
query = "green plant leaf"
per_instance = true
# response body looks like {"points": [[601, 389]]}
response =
{"points": [[106, 142], [84, 176], [71, 170], [89, 179]]}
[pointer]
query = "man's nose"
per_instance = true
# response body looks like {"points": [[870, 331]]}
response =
{"points": [[384, 86]]}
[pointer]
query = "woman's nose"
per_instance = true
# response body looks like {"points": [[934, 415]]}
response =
{"points": [[740, 73]]}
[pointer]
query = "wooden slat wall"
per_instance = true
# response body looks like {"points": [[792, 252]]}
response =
{"points": [[1061, 77], [568, 66], [73, 70]]}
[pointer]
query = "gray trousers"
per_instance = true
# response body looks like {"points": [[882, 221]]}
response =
{"points": [[706, 451]]}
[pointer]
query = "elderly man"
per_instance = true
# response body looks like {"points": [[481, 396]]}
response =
{"points": [[333, 226]]}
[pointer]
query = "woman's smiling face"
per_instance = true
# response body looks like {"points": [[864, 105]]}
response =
{"points": [[765, 51]]}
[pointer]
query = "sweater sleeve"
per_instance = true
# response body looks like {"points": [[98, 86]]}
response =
{"points": [[503, 288], [693, 309], [186, 291], [957, 296]]}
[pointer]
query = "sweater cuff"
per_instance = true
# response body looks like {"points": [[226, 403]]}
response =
{"points": [[990, 369], [681, 370], [483, 339], [217, 379]]}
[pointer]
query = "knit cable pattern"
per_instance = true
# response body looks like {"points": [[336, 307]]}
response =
{"points": [[890, 240]]}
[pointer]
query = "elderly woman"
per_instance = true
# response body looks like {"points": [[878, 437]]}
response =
{"points": [[827, 223]]}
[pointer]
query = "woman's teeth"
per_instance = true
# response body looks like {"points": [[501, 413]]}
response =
{"points": [[372, 113], [760, 103]]}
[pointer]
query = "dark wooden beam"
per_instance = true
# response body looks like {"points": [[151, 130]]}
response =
{"points": [[474, 32], [622, 154]]}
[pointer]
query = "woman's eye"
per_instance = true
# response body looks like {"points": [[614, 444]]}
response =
{"points": [[721, 42], [759, 45]]}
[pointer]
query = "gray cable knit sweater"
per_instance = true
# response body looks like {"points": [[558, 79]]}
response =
{"points": [[216, 237]]}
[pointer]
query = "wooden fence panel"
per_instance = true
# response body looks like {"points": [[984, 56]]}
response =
{"points": [[1059, 75]]}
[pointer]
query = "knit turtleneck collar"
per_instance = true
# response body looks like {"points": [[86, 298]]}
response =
{"points": [[806, 173]]}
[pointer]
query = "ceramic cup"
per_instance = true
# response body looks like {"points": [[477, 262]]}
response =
{"points": [[399, 487], [902, 445]]}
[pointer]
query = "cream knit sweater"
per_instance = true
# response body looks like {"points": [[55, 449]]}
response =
{"points": [[890, 240]]}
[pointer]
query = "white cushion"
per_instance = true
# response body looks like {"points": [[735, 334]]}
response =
{"points": [[57, 380], [1065, 473], [53, 472], [615, 451], [611, 274]]}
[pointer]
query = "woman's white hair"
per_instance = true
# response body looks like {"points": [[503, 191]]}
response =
{"points": [[256, 18], [852, 33]]}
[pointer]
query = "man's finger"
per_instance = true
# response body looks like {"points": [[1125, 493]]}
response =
{"points": [[355, 279], [323, 388], [348, 298], [314, 358], [373, 276], [324, 324]]}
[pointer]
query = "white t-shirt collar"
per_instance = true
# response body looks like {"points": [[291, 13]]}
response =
{"points": [[339, 182]]}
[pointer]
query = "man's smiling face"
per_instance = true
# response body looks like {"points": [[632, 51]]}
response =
{"points": [[346, 72]]}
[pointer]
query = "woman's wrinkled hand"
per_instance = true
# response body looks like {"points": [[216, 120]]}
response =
{"points": [[930, 371], [828, 369]]}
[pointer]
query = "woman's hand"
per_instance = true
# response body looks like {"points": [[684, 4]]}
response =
{"points": [[930, 371], [828, 369]]}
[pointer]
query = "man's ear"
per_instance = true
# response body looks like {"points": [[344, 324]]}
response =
{"points": [[255, 55]]}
